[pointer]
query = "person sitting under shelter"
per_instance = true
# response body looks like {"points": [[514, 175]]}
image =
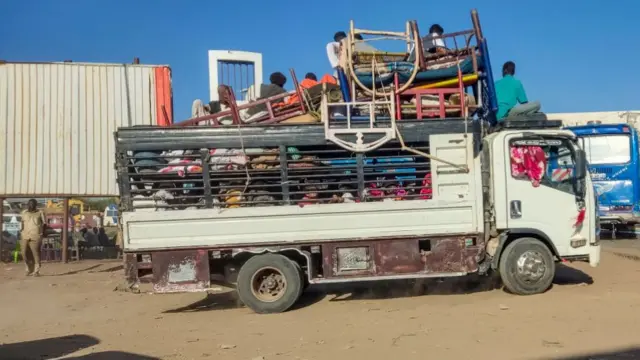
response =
{"points": [[512, 99]]}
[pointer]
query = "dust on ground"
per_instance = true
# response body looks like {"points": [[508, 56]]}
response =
{"points": [[72, 312]]}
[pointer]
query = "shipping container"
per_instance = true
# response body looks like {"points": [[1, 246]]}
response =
{"points": [[57, 122]]}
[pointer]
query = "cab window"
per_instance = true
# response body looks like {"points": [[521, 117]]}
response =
{"points": [[543, 162]]}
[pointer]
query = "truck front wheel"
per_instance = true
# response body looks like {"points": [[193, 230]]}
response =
{"points": [[527, 267], [269, 283]]}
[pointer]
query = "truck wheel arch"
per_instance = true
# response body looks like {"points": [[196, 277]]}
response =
{"points": [[302, 258], [513, 234]]}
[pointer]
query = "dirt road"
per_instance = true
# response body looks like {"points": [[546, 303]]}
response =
{"points": [[71, 312]]}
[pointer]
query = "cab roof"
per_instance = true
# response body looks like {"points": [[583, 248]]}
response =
{"points": [[600, 129]]}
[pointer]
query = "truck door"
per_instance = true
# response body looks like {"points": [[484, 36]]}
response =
{"points": [[540, 191]]}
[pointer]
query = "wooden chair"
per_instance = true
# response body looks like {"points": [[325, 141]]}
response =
{"points": [[275, 113]]}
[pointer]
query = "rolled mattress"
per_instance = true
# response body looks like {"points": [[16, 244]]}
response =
{"points": [[385, 72]]}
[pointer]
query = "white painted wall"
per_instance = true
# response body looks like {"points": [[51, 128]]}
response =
{"points": [[215, 56]]}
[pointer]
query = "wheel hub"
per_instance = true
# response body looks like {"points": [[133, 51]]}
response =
{"points": [[268, 284], [531, 266]]}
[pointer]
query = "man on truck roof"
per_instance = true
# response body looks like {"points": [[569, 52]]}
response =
{"points": [[433, 43], [512, 99], [275, 87], [333, 51]]}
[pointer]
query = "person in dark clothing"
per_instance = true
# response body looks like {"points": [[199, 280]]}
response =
{"points": [[103, 238], [277, 78], [311, 76], [276, 87]]}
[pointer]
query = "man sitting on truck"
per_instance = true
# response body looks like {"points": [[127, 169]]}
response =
{"points": [[276, 87], [512, 99], [433, 43]]}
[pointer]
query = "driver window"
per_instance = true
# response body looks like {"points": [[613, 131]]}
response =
{"points": [[543, 162]]}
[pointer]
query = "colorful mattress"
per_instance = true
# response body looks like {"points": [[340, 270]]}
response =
{"points": [[385, 72]]}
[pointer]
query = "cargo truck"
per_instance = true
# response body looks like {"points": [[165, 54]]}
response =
{"points": [[274, 208]]}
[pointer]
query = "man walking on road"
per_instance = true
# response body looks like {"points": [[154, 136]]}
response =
{"points": [[31, 237]]}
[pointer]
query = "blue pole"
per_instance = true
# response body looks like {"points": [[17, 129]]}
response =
{"points": [[344, 85]]}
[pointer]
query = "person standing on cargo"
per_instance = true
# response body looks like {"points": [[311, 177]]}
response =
{"points": [[333, 51], [512, 99], [33, 224]]}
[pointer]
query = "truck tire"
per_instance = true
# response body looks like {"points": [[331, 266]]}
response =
{"points": [[269, 283], [527, 267], [303, 278]]}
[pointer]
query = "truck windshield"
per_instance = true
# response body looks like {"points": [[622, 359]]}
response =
{"points": [[607, 149]]}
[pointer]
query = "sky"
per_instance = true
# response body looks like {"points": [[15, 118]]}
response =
{"points": [[571, 55]]}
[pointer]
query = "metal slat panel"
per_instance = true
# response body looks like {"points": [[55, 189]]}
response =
{"points": [[57, 122]]}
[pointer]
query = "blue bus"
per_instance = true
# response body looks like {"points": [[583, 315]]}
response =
{"points": [[612, 153]]}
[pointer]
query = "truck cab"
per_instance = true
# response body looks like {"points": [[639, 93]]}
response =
{"points": [[612, 153]]}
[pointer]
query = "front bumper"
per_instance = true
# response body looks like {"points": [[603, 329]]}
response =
{"points": [[609, 218]]}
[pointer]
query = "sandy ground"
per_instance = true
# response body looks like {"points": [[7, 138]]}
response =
{"points": [[72, 312]]}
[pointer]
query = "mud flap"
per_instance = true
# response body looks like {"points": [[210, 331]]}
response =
{"points": [[181, 271], [131, 281], [496, 257]]}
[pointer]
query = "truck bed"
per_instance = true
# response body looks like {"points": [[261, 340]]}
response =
{"points": [[274, 196], [285, 225]]}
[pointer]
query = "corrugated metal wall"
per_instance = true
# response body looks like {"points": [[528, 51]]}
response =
{"points": [[57, 122]]}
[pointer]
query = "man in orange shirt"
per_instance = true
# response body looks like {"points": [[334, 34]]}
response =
{"points": [[311, 80]]}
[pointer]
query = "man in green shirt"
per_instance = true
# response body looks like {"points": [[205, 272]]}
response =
{"points": [[512, 99]]}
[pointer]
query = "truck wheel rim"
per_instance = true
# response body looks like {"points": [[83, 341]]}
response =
{"points": [[268, 284], [531, 266]]}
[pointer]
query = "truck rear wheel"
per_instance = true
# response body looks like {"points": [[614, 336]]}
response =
{"points": [[527, 267], [269, 283]]}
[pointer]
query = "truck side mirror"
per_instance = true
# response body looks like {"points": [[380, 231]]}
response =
{"points": [[580, 164]]}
